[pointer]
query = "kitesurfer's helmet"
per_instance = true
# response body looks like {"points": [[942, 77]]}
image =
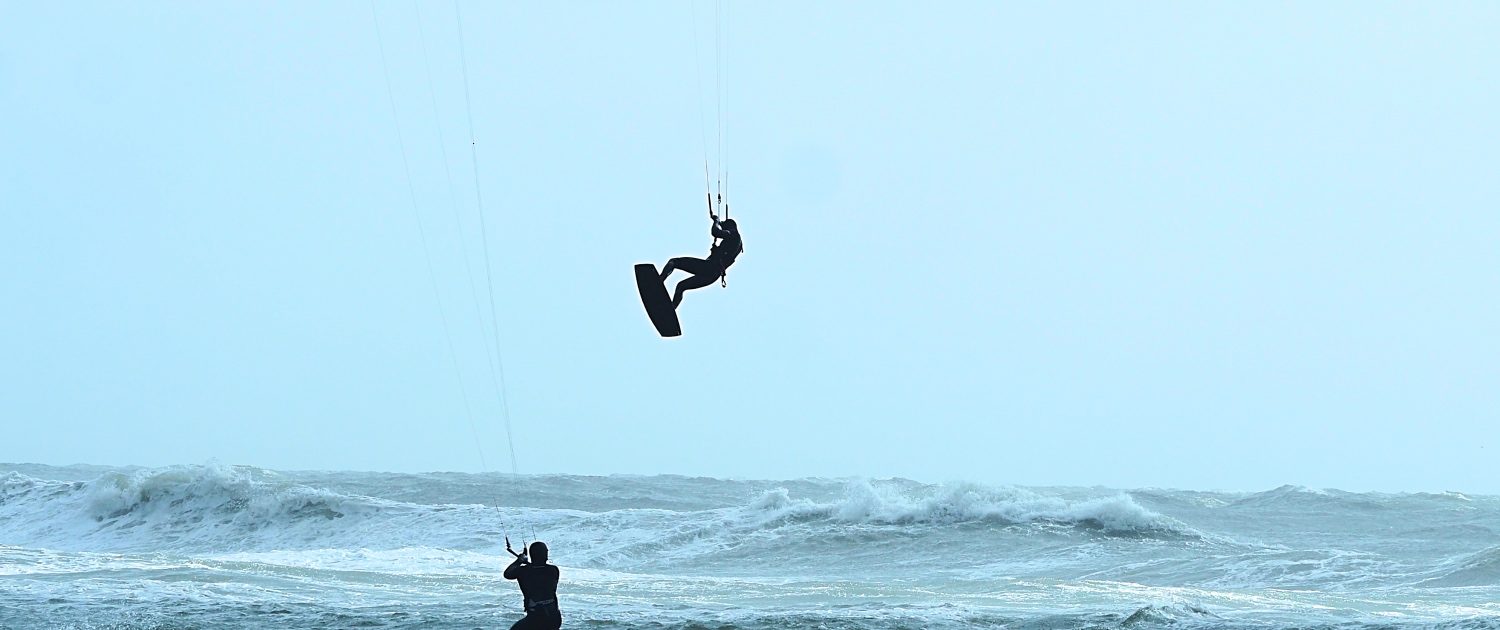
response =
{"points": [[539, 552], [729, 225]]}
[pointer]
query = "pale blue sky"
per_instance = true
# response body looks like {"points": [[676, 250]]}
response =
{"points": [[1200, 245]]}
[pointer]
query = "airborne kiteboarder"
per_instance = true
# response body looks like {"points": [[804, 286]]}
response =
{"points": [[706, 270], [652, 285]]}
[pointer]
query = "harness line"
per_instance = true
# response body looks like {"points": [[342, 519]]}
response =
{"points": [[453, 203], [422, 231], [495, 359]]}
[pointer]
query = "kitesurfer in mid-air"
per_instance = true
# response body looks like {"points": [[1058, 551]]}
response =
{"points": [[538, 581], [706, 270]]}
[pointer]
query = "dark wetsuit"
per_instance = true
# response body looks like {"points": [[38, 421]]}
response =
{"points": [[706, 270], [539, 586]]}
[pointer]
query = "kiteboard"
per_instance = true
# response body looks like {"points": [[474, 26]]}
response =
{"points": [[658, 304]]}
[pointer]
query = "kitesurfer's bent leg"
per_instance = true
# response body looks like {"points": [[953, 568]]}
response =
{"points": [[698, 281], [695, 266], [705, 272]]}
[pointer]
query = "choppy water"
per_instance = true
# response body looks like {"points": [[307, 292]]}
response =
{"points": [[238, 547]]}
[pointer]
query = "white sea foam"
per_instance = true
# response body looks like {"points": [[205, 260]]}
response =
{"points": [[864, 502], [222, 543]]}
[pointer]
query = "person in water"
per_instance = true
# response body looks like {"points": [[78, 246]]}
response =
{"points": [[706, 270], [538, 581]]}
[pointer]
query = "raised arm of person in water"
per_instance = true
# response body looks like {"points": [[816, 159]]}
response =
{"points": [[514, 570]]}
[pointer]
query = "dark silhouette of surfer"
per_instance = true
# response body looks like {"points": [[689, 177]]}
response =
{"points": [[706, 270], [538, 582]]}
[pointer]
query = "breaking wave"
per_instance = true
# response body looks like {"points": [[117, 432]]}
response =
{"points": [[185, 507], [864, 502]]}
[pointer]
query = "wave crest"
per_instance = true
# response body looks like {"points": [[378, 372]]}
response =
{"points": [[866, 502], [1481, 568], [181, 506]]}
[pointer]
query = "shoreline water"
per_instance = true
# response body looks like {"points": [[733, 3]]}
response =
{"points": [[233, 546]]}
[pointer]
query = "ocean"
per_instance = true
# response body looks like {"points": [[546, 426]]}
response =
{"points": [[215, 546]]}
